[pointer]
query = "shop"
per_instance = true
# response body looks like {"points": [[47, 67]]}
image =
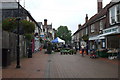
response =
{"points": [[112, 37], [112, 42], [97, 42]]}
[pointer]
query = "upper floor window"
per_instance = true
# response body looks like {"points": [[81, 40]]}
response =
{"points": [[86, 30], [101, 25], [92, 28], [118, 13], [114, 13]]}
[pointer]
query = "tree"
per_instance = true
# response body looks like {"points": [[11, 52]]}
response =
{"points": [[64, 33]]}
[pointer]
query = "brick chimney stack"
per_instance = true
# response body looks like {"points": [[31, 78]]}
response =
{"points": [[79, 26], [45, 22], [86, 18], [99, 5]]}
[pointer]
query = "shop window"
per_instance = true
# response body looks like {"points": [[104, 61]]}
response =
{"points": [[113, 42], [118, 13]]}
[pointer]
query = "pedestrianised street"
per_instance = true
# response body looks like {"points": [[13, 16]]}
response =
{"points": [[62, 66]]}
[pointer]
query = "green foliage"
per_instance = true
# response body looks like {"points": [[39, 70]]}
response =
{"points": [[28, 37], [41, 40], [28, 27], [64, 33], [85, 38], [9, 24]]}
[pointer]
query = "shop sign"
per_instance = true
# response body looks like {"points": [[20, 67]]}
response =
{"points": [[112, 30], [41, 35]]}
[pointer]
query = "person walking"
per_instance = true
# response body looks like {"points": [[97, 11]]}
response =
{"points": [[49, 48], [82, 47]]}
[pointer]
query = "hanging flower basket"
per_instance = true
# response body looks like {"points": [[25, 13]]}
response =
{"points": [[85, 38]]}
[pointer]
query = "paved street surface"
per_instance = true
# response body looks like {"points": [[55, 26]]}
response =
{"points": [[62, 66]]}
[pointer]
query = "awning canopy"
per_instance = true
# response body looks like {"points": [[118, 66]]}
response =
{"points": [[98, 37], [58, 40]]}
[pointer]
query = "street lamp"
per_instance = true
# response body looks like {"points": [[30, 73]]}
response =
{"points": [[18, 50]]}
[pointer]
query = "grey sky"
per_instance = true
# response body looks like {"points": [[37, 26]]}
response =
{"points": [[62, 12]]}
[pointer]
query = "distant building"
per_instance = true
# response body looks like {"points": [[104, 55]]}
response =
{"points": [[8, 0], [47, 31], [10, 9]]}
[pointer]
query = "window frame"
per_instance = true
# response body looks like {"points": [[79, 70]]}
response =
{"points": [[92, 28], [118, 14], [101, 23]]}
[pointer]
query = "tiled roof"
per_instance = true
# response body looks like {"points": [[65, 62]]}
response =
{"points": [[96, 16], [100, 14]]}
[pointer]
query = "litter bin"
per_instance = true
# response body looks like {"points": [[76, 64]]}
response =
{"points": [[29, 52], [5, 57]]}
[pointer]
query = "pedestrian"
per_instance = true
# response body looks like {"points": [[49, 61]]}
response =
{"points": [[82, 47], [49, 48]]}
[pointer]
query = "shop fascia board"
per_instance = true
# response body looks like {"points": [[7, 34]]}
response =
{"points": [[112, 30]]}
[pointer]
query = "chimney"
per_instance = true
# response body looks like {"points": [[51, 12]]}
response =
{"points": [[86, 18], [99, 5], [79, 26], [45, 22]]}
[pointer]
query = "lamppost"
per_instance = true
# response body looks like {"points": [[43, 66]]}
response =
{"points": [[18, 50]]}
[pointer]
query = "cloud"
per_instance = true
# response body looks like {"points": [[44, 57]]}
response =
{"points": [[62, 12]]}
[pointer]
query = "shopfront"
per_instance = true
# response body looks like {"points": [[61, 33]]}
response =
{"points": [[112, 37], [97, 42]]}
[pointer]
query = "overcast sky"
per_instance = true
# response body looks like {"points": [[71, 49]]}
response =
{"points": [[62, 12]]}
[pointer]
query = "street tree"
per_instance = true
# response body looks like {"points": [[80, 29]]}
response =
{"points": [[64, 33]]}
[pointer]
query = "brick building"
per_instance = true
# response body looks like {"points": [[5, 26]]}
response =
{"points": [[96, 29]]}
